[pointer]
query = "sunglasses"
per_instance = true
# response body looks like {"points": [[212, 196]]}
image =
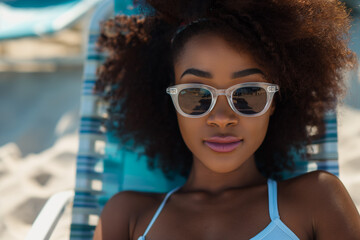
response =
{"points": [[250, 99]]}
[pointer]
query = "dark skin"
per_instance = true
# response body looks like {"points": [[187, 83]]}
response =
{"points": [[225, 196]]}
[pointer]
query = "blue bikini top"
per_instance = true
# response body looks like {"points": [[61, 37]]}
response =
{"points": [[275, 230]]}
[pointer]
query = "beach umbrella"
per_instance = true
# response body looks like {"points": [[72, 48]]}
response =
{"points": [[23, 18]]}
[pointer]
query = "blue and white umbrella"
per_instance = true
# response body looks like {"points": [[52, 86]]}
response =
{"points": [[24, 18]]}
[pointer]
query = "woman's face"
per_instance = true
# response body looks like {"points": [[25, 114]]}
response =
{"points": [[216, 62]]}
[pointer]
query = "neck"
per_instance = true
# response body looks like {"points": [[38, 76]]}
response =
{"points": [[203, 179]]}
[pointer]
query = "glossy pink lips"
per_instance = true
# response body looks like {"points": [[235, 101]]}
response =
{"points": [[223, 144]]}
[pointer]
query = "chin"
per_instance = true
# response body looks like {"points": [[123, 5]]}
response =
{"points": [[222, 168]]}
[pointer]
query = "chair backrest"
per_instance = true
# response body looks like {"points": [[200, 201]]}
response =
{"points": [[91, 137], [104, 167]]}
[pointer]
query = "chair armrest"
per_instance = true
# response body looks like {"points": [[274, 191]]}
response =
{"points": [[49, 216]]}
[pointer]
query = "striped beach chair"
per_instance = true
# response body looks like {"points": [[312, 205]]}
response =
{"points": [[105, 167]]}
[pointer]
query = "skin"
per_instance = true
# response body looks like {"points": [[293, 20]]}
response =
{"points": [[225, 196]]}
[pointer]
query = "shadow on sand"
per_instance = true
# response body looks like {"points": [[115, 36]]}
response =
{"points": [[38, 108]]}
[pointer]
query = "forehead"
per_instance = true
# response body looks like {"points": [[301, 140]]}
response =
{"points": [[210, 52]]}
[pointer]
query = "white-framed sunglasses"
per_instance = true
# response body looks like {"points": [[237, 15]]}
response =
{"points": [[250, 99]]}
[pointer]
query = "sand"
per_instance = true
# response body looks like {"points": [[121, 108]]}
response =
{"points": [[39, 158]]}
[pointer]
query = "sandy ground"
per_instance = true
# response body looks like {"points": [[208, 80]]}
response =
{"points": [[38, 142], [349, 154], [40, 88]]}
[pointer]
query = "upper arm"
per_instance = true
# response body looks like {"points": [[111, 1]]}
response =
{"points": [[114, 219], [334, 213]]}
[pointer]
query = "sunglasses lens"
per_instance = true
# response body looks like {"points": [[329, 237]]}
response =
{"points": [[249, 100], [194, 101]]}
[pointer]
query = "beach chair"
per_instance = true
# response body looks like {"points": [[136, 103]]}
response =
{"points": [[354, 5], [104, 167]]}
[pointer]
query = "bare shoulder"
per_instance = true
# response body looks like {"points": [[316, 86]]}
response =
{"points": [[319, 185], [119, 215], [323, 198], [320, 182]]}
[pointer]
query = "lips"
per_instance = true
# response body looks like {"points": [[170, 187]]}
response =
{"points": [[223, 144]]}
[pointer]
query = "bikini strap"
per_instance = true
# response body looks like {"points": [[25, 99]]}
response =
{"points": [[159, 210], [273, 205]]}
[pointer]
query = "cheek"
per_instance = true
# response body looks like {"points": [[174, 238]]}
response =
{"points": [[189, 130], [257, 129]]}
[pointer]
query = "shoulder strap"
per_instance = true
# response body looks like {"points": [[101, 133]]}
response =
{"points": [[273, 205], [159, 210]]}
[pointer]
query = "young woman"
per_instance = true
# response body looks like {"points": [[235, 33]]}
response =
{"points": [[221, 92]]}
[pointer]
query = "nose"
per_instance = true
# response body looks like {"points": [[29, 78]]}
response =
{"points": [[222, 115]]}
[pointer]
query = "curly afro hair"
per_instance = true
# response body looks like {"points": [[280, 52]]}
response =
{"points": [[302, 45]]}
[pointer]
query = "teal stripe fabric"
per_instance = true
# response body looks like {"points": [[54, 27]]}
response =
{"points": [[323, 152], [89, 169], [125, 7]]}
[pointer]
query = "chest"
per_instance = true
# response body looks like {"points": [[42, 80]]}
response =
{"points": [[236, 217], [209, 225]]}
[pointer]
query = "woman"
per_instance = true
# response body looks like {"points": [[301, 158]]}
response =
{"points": [[248, 82]]}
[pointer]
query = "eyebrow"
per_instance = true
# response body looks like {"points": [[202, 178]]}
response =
{"points": [[247, 72], [197, 72], [239, 74]]}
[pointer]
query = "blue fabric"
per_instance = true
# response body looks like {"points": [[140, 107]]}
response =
{"points": [[274, 231], [126, 7]]}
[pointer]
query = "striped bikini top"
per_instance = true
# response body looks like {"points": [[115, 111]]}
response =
{"points": [[275, 230]]}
